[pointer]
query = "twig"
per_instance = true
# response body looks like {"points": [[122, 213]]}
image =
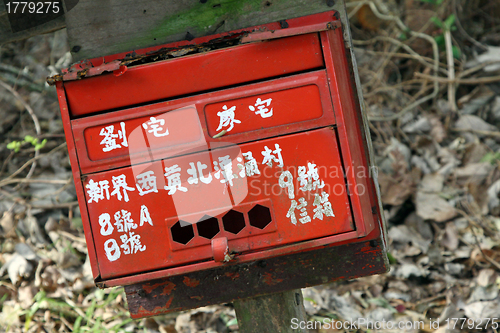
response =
{"points": [[451, 70], [486, 257], [418, 57], [66, 322], [477, 68], [31, 160], [23, 202], [412, 54], [7, 160], [487, 133], [462, 30], [33, 116], [68, 205], [78, 310], [435, 51], [481, 80], [33, 181], [71, 236], [15, 71]]}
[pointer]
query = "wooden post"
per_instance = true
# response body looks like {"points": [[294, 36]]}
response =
{"points": [[271, 313]]}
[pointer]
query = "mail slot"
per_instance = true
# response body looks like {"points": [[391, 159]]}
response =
{"points": [[211, 162]]}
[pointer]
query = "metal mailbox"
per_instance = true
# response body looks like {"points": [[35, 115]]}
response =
{"points": [[212, 165]]}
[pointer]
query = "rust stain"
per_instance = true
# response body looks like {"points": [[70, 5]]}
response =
{"points": [[82, 73], [368, 248], [142, 312], [191, 282], [167, 305], [169, 286], [81, 70], [168, 289], [232, 276], [270, 280]]}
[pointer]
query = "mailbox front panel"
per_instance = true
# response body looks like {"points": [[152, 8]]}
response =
{"points": [[266, 193]]}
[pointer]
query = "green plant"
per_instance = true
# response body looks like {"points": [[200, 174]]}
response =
{"points": [[447, 25], [433, 2], [491, 158], [16, 145]]}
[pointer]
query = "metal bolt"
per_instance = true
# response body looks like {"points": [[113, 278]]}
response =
{"points": [[330, 3]]}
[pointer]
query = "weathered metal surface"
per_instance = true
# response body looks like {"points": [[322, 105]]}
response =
{"points": [[98, 28], [194, 74], [359, 173], [286, 31], [271, 275], [112, 66]]}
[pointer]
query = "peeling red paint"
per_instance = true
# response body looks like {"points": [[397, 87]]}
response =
{"points": [[198, 298], [191, 282], [142, 312], [168, 289], [270, 280], [232, 276], [169, 286], [167, 305]]}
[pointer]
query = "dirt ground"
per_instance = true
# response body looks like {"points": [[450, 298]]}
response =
{"points": [[430, 71]]}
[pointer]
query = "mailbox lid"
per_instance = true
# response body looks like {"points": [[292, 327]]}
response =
{"points": [[193, 74], [162, 229]]}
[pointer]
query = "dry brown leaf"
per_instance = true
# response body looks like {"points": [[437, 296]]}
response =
{"points": [[431, 206]]}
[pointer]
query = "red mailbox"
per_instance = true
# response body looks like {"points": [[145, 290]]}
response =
{"points": [[236, 163]]}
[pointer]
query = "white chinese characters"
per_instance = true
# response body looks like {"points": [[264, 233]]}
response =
{"points": [[272, 155], [146, 183], [155, 126], [110, 137], [173, 175], [261, 108], [227, 118], [130, 240], [97, 190]]}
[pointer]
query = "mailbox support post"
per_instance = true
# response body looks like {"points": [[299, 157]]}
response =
{"points": [[271, 313]]}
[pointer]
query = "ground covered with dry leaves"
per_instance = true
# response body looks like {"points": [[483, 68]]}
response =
{"points": [[430, 71]]}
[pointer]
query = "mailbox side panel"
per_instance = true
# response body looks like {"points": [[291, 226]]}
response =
{"points": [[357, 169], [75, 168]]}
